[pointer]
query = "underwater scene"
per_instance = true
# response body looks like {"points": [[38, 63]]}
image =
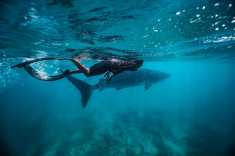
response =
{"points": [[117, 78]]}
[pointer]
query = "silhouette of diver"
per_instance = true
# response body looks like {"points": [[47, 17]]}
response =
{"points": [[110, 67]]}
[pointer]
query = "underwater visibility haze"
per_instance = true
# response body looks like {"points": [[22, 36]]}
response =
{"points": [[179, 103]]}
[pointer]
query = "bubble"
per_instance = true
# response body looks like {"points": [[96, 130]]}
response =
{"points": [[216, 4], [233, 21], [66, 44], [155, 29], [223, 25], [197, 20], [34, 16], [145, 36], [203, 7], [216, 29], [32, 9], [198, 15], [178, 13], [230, 5]]}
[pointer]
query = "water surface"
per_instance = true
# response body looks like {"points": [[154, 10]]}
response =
{"points": [[189, 114]]}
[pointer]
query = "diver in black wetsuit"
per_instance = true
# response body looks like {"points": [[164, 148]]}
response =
{"points": [[113, 66], [109, 67]]}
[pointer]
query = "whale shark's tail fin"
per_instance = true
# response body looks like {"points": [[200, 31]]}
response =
{"points": [[84, 88]]}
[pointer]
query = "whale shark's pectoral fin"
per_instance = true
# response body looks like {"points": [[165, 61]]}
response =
{"points": [[147, 85]]}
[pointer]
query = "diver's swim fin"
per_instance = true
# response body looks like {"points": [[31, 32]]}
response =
{"points": [[23, 64], [84, 88]]}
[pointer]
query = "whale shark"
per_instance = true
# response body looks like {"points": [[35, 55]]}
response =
{"points": [[145, 77]]}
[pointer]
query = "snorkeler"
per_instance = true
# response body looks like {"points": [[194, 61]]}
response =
{"points": [[109, 67]]}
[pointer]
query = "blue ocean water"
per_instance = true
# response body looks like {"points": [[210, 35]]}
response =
{"points": [[189, 113]]}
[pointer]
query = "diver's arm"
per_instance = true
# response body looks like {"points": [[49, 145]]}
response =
{"points": [[113, 73], [110, 74], [81, 67]]}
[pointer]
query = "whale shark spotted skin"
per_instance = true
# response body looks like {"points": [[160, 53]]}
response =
{"points": [[145, 77]]}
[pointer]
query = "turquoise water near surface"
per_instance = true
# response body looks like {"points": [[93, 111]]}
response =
{"points": [[190, 113]]}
